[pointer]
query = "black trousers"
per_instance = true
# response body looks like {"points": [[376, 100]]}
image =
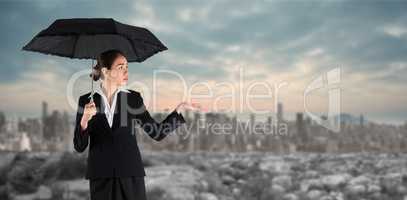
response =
{"points": [[117, 188]]}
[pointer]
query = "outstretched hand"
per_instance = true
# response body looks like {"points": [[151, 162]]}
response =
{"points": [[188, 106]]}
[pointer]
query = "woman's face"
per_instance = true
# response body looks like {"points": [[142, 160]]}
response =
{"points": [[118, 73]]}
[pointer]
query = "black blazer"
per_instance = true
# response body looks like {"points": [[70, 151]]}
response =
{"points": [[113, 152]]}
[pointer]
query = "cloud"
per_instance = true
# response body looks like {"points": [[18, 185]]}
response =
{"points": [[395, 31], [274, 40]]}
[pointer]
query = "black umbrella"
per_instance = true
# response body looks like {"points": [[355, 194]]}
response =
{"points": [[86, 38]]}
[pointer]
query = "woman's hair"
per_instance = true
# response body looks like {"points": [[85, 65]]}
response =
{"points": [[105, 59]]}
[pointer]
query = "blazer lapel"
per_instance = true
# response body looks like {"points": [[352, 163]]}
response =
{"points": [[117, 118], [101, 111], [120, 114]]}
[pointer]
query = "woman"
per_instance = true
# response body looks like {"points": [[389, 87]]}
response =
{"points": [[114, 166]]}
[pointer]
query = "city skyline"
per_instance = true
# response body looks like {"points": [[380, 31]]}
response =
{"points": [[213, 131]]}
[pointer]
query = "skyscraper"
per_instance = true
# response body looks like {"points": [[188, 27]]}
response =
{"points": [[44, 117], [280, 116]]}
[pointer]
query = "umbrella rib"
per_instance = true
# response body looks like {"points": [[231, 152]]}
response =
{"points": [[134, 49], [129, 39], [74, 46], [143, 41]]}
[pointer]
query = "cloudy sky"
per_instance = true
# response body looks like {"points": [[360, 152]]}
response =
{"points": [[214, 42]]}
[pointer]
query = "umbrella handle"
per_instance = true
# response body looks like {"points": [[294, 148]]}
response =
{"points": [[91, 80]]}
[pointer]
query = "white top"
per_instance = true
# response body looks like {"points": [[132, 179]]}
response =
{"points": [[109, 111]]}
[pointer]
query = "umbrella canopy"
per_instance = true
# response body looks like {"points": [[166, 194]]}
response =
{"points": [[86, 38]]}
